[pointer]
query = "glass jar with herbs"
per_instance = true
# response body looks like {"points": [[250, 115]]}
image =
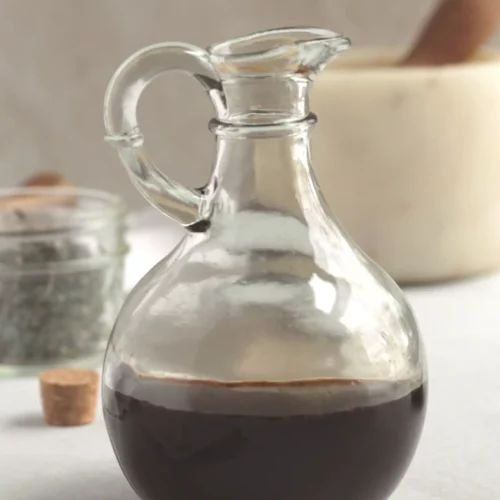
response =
{"points": [[61, 276]]}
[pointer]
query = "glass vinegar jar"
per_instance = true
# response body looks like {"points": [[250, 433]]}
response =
{"points": [[61, 276], [266, 357]]}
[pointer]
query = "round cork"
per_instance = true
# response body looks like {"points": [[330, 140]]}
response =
{"points": [[49, 178], [61, 193], [69, 396]]}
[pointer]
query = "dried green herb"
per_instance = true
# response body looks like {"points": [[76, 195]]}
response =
{"points": [[49, 313]]}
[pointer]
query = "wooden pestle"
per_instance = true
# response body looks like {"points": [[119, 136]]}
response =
{"points": [[455, 32]]}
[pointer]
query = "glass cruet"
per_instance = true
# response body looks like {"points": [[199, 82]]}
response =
{"points": [[266, 357]]}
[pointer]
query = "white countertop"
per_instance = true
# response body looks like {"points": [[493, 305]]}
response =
{"points": [[458, 458]]}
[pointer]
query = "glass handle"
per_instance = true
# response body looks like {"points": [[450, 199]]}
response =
{"points": [[183, 204]]}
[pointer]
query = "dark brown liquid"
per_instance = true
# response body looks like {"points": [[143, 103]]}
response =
{"points": [[359, 453]]}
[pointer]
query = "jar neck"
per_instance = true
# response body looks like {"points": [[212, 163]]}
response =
{"points": [[261, 170], [265, 101]]}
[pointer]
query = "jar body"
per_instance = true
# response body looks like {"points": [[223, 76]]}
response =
{"points": [[61, 269], [230, 369]]}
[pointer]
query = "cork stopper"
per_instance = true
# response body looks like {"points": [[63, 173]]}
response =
{"points": [[69, 396], [48, 178], [42, 180]]}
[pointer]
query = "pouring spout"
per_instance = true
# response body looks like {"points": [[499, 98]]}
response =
{"points": [[266, 76], [284, 51]]}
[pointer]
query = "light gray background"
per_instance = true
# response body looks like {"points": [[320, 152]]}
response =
{"points": [[57, 56]]}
